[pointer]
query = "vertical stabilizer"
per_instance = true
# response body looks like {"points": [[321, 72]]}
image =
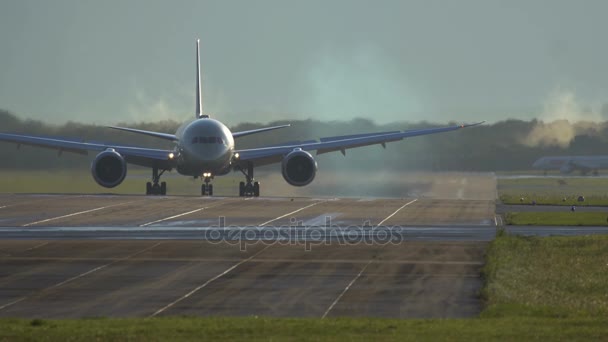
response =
{"points": [[199, 99]]}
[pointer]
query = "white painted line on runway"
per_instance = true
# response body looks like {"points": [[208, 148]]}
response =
{"points": [[37, 246], [103, 266], [80, 275], [74, 214], [4, 206], [396, 211], [159, 311], [182, 214], [291, 213], [12, 303], [345, 290], [173, 217]]}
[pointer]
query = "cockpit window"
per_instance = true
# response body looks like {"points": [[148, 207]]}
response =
{"points": [[207, 140]]}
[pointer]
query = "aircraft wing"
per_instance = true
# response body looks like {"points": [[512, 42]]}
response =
{"points": [[135, 155], [150, 133], [273, 154], [254, 131]]}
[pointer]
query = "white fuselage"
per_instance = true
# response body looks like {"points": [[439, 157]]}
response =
{"points": [[205, 146]]}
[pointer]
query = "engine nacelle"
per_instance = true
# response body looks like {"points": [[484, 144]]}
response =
{"points": [[109, 168], [299, 168]]}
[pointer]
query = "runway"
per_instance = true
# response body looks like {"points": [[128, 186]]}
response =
{"points": [[148, 278], [247, 235], [86, 255], [83, 255], [174, 211]]}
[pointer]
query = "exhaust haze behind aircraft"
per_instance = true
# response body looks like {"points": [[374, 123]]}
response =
{"points": [[206, 148]]}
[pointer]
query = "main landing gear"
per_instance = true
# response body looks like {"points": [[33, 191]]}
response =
{"points": [[154, 187], [249, 188], [207, 188]]}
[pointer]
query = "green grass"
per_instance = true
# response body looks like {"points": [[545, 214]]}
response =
{"points": [[566, 218], [535, 288], [549, 199], [269, 329], [562, 277], [552, 191]]}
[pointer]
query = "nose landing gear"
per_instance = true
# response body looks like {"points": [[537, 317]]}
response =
{"points": [[207, 188]]}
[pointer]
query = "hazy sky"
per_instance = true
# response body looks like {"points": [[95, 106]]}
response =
{"points": [[126, 60]]}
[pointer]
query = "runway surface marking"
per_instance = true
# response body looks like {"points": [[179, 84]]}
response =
{"points": [[396, 211], [74, 214], [182, 214], [345, 290], [4, 206], [80, 276], [305, 261], [291, 213], [159, 311], [498, 220], [37, 246], [12, 303]]}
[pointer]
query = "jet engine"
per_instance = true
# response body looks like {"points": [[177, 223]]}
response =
{"points": [[299, 168], [109, 168]]}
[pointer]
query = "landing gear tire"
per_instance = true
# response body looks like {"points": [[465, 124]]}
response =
{"points": [[207, 190], [249, 188], [154, 187], [207, 187]]}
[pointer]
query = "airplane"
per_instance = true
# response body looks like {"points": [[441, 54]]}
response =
{"points": [[567, 164], [205, 148]]}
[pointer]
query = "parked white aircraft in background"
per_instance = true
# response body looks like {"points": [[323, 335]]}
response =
{"points": [[568, 164], [205, 148]]}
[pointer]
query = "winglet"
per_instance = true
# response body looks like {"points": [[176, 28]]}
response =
{"points": [[199, 99]]}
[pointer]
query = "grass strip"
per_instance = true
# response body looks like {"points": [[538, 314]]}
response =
{"points": [[566, 218]]}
